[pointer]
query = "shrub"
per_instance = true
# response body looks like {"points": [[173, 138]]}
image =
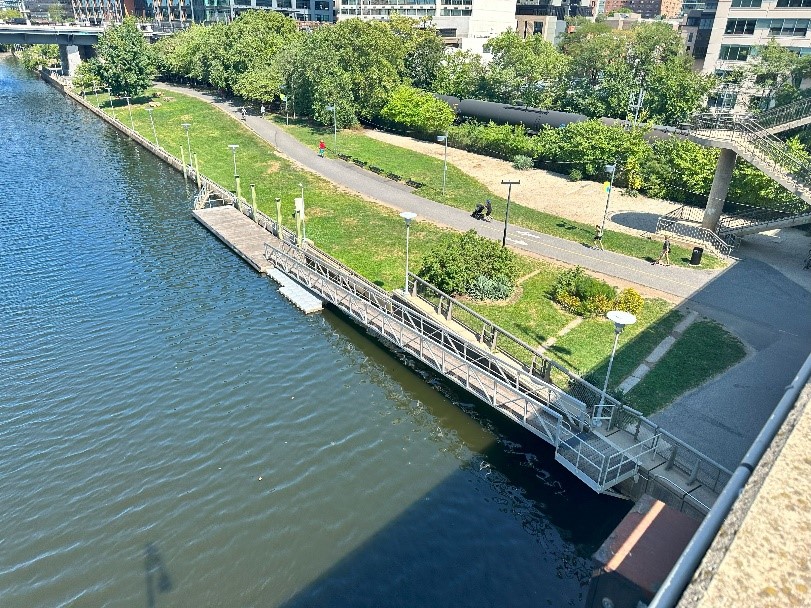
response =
{"points": [[575, 175], [458, 260], [581, 294], [523, 163], [486, 288], [417, 110], [629, 301]]}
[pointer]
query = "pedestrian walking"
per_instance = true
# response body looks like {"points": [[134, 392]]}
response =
{"points": [[242, 111], [322, 148], [262, 110], [489, 207], [665, 255], [598, 238]]}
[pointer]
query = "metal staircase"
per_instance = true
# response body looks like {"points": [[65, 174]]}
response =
{"points": [[757, 144]]}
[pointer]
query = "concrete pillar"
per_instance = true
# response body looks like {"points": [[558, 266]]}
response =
{"points": [[69, 56], [720, 187]]}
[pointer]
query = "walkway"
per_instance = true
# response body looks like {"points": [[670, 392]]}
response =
{"points": [[770, 312]]}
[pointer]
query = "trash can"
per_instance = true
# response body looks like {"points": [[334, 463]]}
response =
{"points": [[695, 259]]}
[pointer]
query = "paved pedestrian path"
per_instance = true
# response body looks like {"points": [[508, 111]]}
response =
{"points": [[770, 312]]}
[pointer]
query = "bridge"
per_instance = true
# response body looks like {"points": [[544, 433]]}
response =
{"points": [[754, 139]]}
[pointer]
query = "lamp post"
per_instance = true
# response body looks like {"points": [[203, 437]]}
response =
{"points": [[236, 175], [186, 126], [509, 184], [152, 122], [110, 96], [441, 139], [620, 319], [408, 216], [96, 94], [612, 169], [334, 124], [129, 109], [303, 217]]}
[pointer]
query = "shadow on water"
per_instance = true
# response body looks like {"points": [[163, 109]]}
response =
{"points": [[157, 576]]}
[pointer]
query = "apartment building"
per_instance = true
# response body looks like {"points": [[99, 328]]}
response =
{"points": [[650, 9], [547, 17]]}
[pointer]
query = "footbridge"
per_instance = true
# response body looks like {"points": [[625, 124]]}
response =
{"points": [[753, 139]]}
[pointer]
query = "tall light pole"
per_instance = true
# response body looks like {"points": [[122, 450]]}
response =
{"points": [[334, 124], [236, 174], [612, 169], [303, 217], [129, 108], [408, 216], [444, 138], [621, 319], [186, 126], [509, 184], [152, 122], [110, 96]]}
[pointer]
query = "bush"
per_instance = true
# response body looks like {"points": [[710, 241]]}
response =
{"points": [[523, 163], [458, 260], [629, 301], [486, 288], [417, 110], [575, 175], [581, 294]]}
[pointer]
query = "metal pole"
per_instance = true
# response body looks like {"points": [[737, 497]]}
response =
{"points": [[507, 214], [110, 96], [197, 172], [186, 126], [152, 121], [132, 123], [334, 127], [303, 215], [279, 217], [608, 197], [408, 230], [445, 166], [597, 418]]}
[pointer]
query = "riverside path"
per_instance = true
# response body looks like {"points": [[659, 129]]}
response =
{"points": [[751, 298]]}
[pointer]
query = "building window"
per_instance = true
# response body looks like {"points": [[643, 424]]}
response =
{"points": [[746, 3], [537, 27], [722, 99], [793, 3], [740, 26], [734, 52], [788, 27]]}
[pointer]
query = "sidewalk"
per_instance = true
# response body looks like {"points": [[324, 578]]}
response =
{"points": [[752, 299]]}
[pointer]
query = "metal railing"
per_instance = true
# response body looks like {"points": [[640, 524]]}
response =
{"points": [[695, 233], [782, 115], [753, 216], [498, 340], [506, 387]]}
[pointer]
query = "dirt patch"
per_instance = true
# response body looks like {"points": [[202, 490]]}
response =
{"points": [[581, 201], [272, 167]]}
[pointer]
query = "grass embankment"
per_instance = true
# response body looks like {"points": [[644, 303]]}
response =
{"points": [[464, 191], [369, 238]]}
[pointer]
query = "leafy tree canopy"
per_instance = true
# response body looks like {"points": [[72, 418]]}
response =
{"points": [[124, 61], [418, 110]]}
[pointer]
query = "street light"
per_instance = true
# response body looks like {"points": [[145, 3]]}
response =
{"points": [[620, 319], [110, 96], [334, 124], [129, 108], [152, 121], [440, 139], [303, 217], [186, 126], [509, 183], [236, 175], [408, 216], [612, 169]]}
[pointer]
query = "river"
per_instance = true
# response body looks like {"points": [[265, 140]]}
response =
{"points": [[174, 433]]}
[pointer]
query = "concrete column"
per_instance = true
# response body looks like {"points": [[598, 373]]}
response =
{"points": [[69, 56], [720, 187]]}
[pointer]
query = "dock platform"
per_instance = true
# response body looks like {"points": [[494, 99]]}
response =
{"points": [[302, 298]]}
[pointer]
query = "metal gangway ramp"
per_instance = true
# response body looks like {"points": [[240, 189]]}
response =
{"points": [[544, 409]]}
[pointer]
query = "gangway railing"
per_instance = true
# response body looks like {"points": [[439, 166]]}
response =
{"points": [[505, 386], [684, 223], [783, 115]]}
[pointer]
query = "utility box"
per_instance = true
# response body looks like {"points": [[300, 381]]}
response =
{"points": [[635, 560], [695, 259]]}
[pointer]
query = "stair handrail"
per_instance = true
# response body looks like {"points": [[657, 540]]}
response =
{"points": [[780, 115]]}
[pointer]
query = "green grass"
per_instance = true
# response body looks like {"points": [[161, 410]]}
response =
{"points": [[464, 191], [703, 351], [369, 238]]}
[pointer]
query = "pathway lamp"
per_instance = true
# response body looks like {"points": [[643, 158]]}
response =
{"points": [[609, 186], [303, 218], [408, 216], [334, 124], [441, 139], [621, 319], [186, 126], [236, 175], [129, 108], [110, 96], [152, 122], [509, 183]]}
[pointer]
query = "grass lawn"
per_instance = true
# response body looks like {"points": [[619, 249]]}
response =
{"points": [[464, 191], [703, 351], [370, 239]]}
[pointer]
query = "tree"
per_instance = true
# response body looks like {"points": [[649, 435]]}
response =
{"points": [[461, 74], [779, 72], [56, 13], [418, 110], [423, 49], [124, 59]]}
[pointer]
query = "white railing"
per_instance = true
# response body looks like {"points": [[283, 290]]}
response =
{"points": [[695, 233]]}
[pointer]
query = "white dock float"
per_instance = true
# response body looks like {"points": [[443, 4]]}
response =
{"points": [[301, 297]]}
